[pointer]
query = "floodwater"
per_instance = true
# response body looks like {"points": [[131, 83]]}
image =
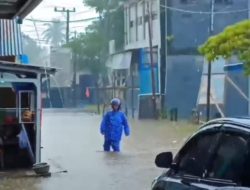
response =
{"points": [[71, 142]]}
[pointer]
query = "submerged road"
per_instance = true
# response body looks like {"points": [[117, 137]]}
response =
{"points": [[71, 141]]}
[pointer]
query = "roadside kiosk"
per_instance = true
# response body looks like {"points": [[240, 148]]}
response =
{"points": [[20, 114]]}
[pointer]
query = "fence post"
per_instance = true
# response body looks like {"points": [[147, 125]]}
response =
{"points": [[132, 96], [97, 98]]}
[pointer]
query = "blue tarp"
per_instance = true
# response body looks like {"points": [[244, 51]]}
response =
{"points": [[24, 59]]}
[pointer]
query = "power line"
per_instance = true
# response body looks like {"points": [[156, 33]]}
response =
{"points": [[28, 31], [82, 12], [68, 12], [204, 12], [51, 21], [78, 27], [85, 20]]}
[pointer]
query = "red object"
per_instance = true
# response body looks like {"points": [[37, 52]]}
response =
{"points": [[87, 93], [8, 120]]}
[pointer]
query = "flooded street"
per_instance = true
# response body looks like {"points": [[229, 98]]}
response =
{"points": [[71, 142]]}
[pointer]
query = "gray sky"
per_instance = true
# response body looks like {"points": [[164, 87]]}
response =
{"points": [[45, 11]]}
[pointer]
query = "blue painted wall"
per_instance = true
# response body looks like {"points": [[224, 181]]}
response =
{"points": [[182, 73], [145, 73], [235, 104], [196, 26], [183, 83]]}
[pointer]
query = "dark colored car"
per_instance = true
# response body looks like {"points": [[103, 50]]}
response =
{"points": [[216, 157]]}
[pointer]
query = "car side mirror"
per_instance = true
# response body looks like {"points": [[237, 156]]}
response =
{"points": [[164, 160]]}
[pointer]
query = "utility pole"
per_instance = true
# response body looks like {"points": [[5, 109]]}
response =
{"points": [[149, 7], [75, 61], [211, 30], [67, 11]]}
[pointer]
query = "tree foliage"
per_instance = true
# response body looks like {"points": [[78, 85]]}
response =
{"points": [[92, 46], [234, 40], [88, 47], [103, 5], [55, 33]]}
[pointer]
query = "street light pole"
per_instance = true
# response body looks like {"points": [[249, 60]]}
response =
{"points": [[67, 11], [209, 72], [208, 89], [151, 57]]}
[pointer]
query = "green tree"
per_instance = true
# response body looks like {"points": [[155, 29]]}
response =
{"points": [[88, 47], [92, 46], [55, 32], [112, 19], [234, 40], [103, 5]]}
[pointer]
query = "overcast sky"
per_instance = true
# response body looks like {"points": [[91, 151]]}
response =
{"points": [[45, 11]]}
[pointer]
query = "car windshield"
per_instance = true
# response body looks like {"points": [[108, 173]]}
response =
{"points": [[91, 91]]}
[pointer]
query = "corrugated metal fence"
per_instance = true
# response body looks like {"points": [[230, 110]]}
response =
{"points": [[10, 38]]}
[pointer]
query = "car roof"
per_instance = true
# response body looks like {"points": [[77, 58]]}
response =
{"points": [[240, 122]]}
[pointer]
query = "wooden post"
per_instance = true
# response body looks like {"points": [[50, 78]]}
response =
{"points": [[98, 98]]}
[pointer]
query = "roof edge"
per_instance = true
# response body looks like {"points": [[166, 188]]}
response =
{"points": [[27, 8]]}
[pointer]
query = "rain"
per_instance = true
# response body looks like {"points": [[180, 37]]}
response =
{"points": [[124, 94]]}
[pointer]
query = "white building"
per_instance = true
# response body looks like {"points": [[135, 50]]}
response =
{"points": [[135, 58], [136, 23]]}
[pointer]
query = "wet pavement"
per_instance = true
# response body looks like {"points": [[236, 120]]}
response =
{"points": [[71, 142]]}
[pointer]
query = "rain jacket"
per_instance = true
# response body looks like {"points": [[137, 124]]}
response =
{"points": [[113, 125]]}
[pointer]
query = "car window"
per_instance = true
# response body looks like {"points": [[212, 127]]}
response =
{"points": [[230, 157], [194, 156]]}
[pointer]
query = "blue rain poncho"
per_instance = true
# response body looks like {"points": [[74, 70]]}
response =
{"points": [[113, 125]]}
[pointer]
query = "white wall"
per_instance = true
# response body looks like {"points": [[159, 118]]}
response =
{"points": [[136, 29]]}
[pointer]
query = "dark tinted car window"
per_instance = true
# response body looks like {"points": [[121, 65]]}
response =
{"points": [[194, 156], [230, 157]]}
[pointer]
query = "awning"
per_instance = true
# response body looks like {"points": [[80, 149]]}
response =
{"points": [[15, 68], [10, 38], [119, 61], [234, 67]]}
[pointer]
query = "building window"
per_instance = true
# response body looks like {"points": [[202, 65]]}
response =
{"points": [[131, 24], [126, 26], [154, 16], [143, 20], [140, 21], [136, 21]]}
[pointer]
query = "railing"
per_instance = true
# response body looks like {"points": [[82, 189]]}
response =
{"points": [[128, 96]]}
